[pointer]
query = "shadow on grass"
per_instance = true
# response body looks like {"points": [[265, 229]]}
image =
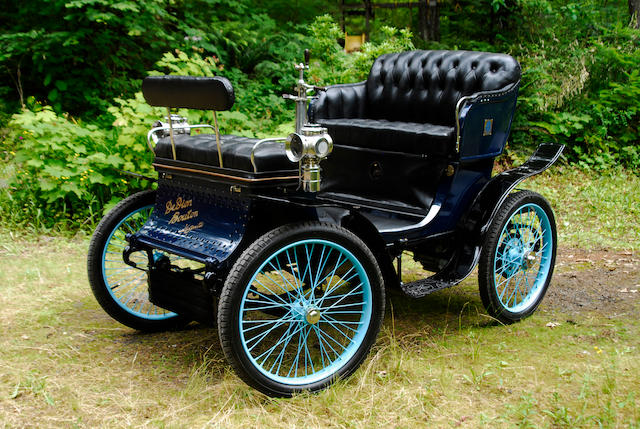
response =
{"points": [[181, 355]]}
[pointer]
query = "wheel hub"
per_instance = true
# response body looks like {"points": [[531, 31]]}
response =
{"points": [[313, 316], [512, 258], [306, 312], [528, 259]]}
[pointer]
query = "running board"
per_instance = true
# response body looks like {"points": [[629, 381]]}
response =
{"points": [[424, 287]]}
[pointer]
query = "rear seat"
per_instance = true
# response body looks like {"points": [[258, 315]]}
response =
{"points": [[408, 102]]}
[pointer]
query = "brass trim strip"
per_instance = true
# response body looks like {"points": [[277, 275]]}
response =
{"points": [[217, 130], [227, 176], [173, 143]]}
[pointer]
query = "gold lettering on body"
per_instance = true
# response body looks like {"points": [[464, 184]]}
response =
{"points": [[177, 217], [188, 228], [178, 205]]}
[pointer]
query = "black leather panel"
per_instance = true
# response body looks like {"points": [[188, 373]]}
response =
{"points": [[236, 152], [395, 136], [386, 177], [340, 101], [424, 86], [205, 93]]}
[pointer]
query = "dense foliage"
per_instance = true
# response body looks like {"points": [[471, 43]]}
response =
{"points": [[72, 115]]}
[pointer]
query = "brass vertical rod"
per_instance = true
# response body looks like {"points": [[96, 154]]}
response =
{"points": [[173, 143], [215, 123]]}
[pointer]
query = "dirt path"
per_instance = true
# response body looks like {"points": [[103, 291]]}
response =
{"points": [[604, 281]]}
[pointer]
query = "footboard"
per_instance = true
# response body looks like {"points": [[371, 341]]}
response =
{"points": [[198, 223]]}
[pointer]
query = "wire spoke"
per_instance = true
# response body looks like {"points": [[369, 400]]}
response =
{"points": [[341, 299], [325, 298]]}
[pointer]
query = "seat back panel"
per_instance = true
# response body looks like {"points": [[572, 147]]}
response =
{"points": [[205, 93], [425, 86]]}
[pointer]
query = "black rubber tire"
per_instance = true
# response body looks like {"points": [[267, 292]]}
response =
{"points": [[488, 293], [95, 261], [241, 274]]}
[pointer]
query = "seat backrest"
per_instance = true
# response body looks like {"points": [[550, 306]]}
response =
{"points": [[424, 86], [205, 93]]}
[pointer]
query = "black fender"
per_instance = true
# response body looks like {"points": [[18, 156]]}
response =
{"points": [[472, 227], [363, 228]]}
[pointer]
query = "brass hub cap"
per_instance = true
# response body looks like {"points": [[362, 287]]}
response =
{"points": [[313, 316], [529, 259]]}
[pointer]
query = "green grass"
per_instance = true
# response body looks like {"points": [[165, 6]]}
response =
{"points": [[593, 211], [439, 361]]}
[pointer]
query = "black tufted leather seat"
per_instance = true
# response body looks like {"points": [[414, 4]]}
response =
{"points": [[408, 102], [236, 152]]}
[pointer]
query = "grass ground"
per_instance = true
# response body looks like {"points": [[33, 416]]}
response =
{"points": [[438, 362], [593, 211]]}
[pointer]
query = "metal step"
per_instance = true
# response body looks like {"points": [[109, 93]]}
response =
{"points": [[424, 287]]}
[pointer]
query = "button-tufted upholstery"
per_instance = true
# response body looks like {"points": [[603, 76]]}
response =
{"points": [[415, 90]]}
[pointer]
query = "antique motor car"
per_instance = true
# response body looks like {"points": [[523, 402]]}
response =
{"points": [[289, 244]]}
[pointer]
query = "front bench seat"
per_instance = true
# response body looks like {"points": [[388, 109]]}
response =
{"points": [[236, 152], [215, 93]]}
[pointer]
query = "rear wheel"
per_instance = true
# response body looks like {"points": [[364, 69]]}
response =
{"points": [[119, 288], [301, 307], [517, 260]]}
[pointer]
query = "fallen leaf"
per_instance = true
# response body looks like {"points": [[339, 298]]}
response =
{"points": [[552, 324]]}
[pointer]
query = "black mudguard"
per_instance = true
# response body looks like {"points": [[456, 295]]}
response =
{"points": [[474, 224]]}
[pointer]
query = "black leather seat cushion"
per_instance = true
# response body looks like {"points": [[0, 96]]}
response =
{"points": [[236, 152], [394, 136]]}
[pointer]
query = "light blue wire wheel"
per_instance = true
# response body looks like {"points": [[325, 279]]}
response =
{"points": [[305, 312], [127, 285], [522, 260]]}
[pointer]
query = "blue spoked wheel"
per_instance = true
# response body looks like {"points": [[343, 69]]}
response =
{"points": [[518, 257], [301, 307], [122, 290]]}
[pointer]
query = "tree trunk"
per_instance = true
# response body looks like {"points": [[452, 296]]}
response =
{"points": [[634, 11], [422, 21], [433, 20], [368, 13], [429, 15]]}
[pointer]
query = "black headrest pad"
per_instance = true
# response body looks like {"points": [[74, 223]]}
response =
{"points": [[205, 93]]}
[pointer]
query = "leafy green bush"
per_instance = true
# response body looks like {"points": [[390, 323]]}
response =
{"points": [[332, 65], [584, 93], [580, 83], [65, 170], [77, 55]]}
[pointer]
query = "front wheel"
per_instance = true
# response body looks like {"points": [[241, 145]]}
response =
{"points": [[301, 307], [120, 289], [518, 257]]}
